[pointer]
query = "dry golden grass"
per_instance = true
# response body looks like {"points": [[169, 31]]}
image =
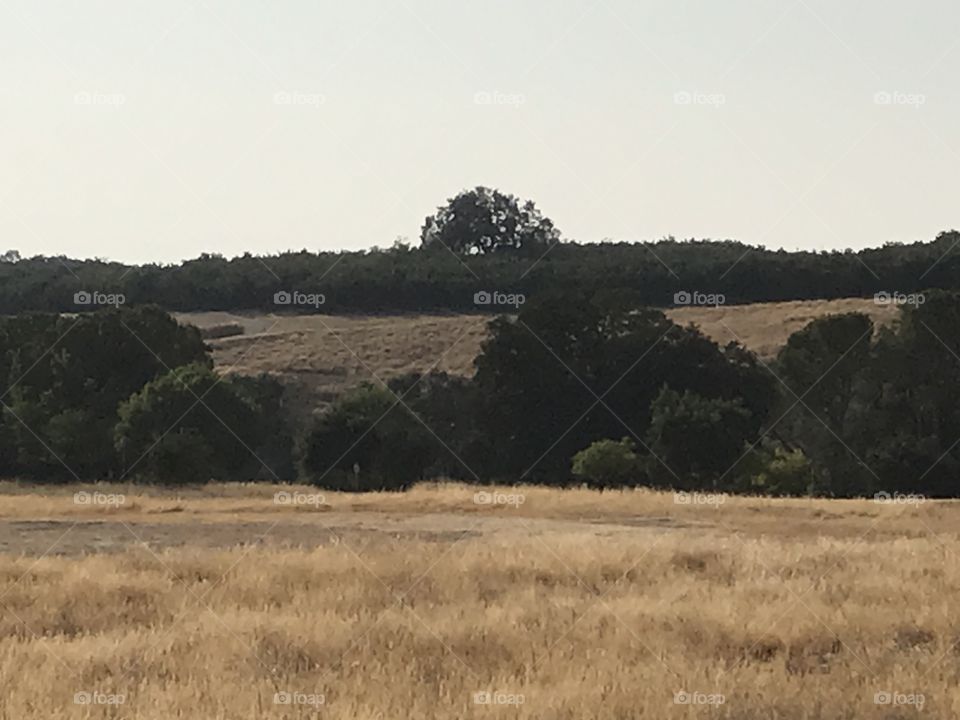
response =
{"points": [[765, 327], [321, 355], [586, 604]]}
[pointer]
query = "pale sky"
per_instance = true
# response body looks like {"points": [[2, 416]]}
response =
{"points": [[155, 131]]}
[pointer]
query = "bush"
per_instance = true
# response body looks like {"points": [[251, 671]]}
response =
{"points": [[785, 472], [697, 442], [607, 463], [187, 426], [65, 378], [366, 441]]}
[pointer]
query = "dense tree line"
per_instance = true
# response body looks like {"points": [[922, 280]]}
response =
{"points": [[598, 389], [128, 393], [435, 277], [589, 388]]}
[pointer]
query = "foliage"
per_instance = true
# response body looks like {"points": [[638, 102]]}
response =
{"points": [[572, 369], [483, 220], [271, 456], [881, 414], [447, 405], [65, 377], [845, 409], [402, 279], [607, 463], [188, 425], [695, 441], [367, 440], [785, 472]]}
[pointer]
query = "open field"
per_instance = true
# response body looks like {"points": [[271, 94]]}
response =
{"points": [[321, 355], [215, 602]]}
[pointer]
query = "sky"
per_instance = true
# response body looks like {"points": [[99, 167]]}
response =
{"points": [[157, 131]]}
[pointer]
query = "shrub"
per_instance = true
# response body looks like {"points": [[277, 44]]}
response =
{"points": [[607, 463], [187, 425], [366, 441], [696, 441], [785, 472]]}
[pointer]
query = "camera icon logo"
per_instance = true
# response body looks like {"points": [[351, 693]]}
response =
{"points": [[82, 298], [482, 498], [482, 298], [682, 298], [282, 298]]}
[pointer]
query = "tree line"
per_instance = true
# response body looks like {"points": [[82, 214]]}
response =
{"points": [[129, 394], [480, 240], [598, 389], [577, 387]]}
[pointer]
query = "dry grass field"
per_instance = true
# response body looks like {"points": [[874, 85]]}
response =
{"points": [[229, 602], [321, 355]]}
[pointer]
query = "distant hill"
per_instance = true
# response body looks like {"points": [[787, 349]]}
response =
{"points": [[321, 355]]}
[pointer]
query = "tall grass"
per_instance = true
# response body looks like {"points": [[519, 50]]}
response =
{"points": [[571, 605]]}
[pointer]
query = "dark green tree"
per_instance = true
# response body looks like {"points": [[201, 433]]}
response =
{"points": [[574, 368], [695, 442], [366, 440], [484, 220], [187, 426], [826, 409], [65, 376]]}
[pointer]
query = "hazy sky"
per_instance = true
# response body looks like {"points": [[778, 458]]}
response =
{"points": [[154, 131]]}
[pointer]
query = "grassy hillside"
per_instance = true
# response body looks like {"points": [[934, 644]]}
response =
{"points": [[321, 355]]}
